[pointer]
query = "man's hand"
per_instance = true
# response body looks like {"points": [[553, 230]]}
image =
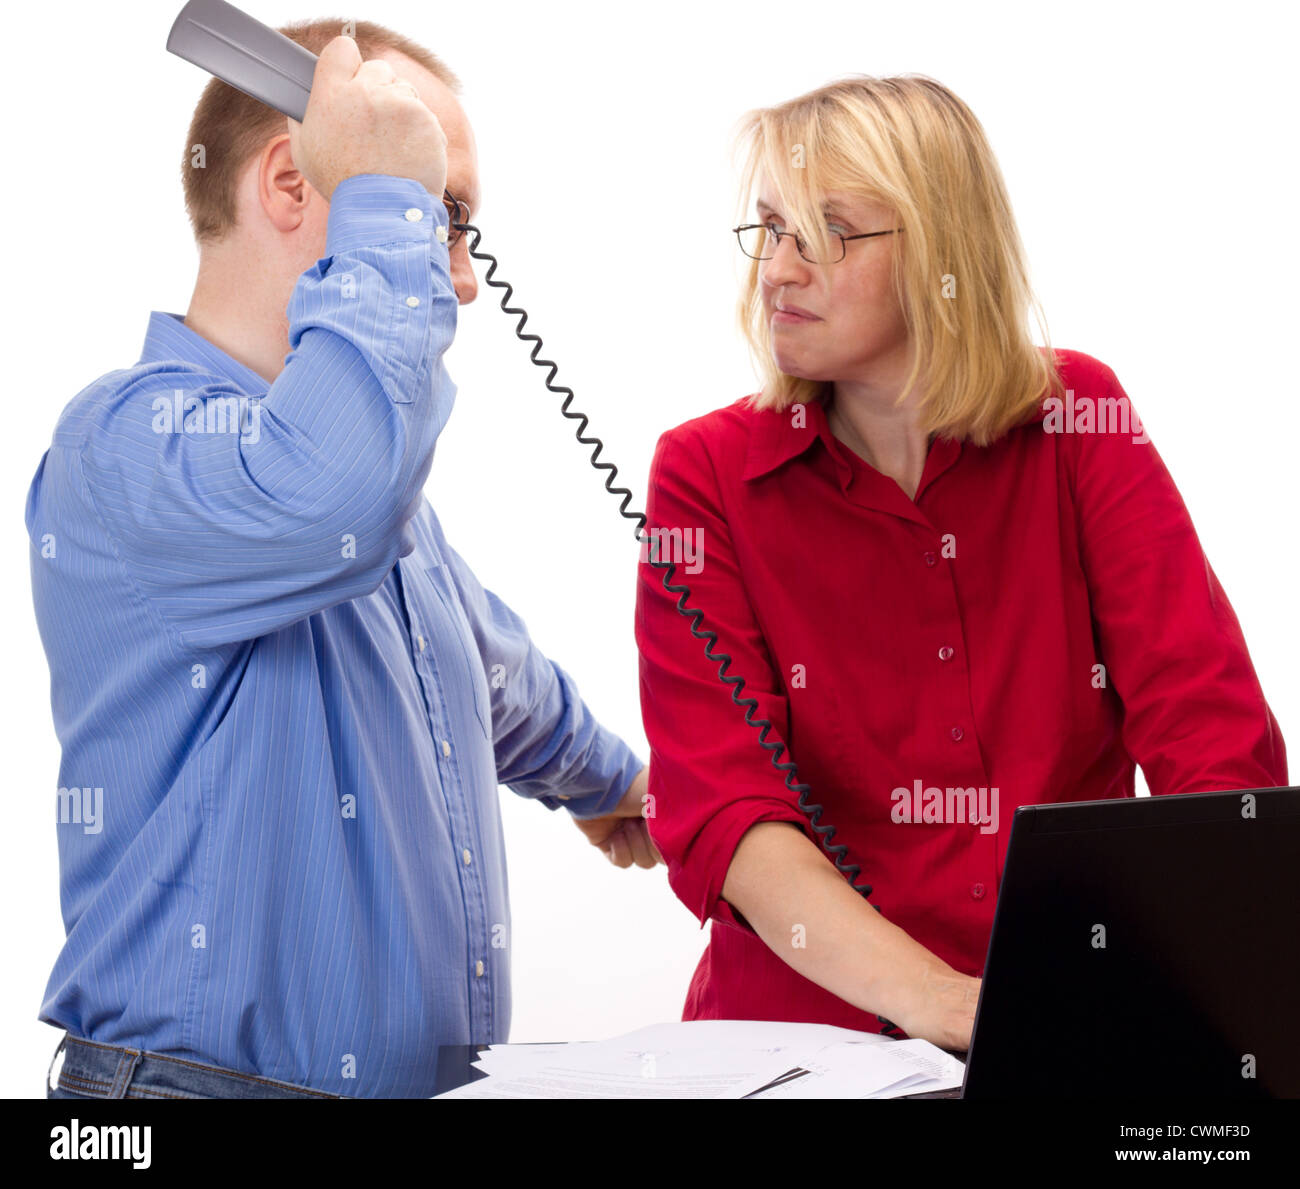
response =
{"points": [[623, 835], [361, 118]]}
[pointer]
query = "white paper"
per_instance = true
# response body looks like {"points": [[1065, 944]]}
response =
{"points": [[633, 1073], [716, 1059], [859, 1071]]}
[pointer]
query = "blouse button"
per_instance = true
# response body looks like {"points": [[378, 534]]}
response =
{"points": [[977, 891], [957, 734], [931, 560], [945, 653]]}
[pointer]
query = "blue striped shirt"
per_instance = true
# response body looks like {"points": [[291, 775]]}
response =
{"points": [[284, 702]]}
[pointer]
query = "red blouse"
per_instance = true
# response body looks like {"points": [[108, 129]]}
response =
{"points": [[1037, 619]]}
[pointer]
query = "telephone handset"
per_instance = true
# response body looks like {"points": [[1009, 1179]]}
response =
{"points": [[263, 63], [241, 51]]}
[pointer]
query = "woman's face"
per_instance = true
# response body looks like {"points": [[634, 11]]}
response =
{"points": [[853, 329]]}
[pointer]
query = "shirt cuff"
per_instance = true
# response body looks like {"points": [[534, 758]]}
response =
{"points": [[374, 208], [615, 770], [700, 887]]}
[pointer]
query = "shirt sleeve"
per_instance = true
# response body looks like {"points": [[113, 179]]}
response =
{"points": [[231, 535], [548, 745], [710, 780], [1195, 718]]}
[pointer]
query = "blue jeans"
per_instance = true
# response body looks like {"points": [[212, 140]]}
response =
{"points": [[94, 1070]]}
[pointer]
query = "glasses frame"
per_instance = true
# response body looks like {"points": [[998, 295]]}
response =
{"points": [[800, 243], [456, 228]]}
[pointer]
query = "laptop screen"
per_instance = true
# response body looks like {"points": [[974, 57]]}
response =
{"points": [[1145, 947]]}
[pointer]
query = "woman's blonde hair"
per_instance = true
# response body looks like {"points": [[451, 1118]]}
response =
{"points": [[959, 269]]}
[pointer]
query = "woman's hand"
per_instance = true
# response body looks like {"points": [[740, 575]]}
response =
{"points": [[941, 1008], [785, 887]]}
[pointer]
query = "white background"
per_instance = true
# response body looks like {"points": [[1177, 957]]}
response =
{"points": [[1149, 151]]}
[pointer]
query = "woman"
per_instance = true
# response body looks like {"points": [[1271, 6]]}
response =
{"points": [[949, 565]]}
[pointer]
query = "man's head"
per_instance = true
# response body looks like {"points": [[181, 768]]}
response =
{"points": [[244, 195]]}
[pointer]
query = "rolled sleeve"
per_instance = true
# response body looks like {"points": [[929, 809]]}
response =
{"points": [[611, 770]]}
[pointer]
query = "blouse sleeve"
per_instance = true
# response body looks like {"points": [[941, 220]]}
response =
{"points": [[710, 780], [1195, 718]]}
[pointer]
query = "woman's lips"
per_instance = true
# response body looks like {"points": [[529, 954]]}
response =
{"points": [[793, 315]]}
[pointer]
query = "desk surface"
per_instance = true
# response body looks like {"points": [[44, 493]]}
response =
{"points": [[455, 1069]]}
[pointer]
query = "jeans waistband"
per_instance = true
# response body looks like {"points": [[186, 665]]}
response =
{"points": [[107, 1071]]}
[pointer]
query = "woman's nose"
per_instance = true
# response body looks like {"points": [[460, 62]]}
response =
{"points": [[785, 264]]}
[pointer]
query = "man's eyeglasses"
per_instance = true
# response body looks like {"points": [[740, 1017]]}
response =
{"points": [[457, 212], [759, 241]]}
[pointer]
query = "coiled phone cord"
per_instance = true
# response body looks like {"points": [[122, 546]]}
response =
{"points": [[775, 749]]}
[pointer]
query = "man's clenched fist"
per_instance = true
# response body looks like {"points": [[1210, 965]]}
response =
{"points": [[361, 118]]}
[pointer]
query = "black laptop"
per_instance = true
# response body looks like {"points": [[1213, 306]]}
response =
{"points": [[1145, 948]]}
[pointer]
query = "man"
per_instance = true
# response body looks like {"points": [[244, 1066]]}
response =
{"points": [[285, 702]]}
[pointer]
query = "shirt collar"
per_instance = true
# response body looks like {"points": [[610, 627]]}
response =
{"points": [[169, 338], [777, 437]]}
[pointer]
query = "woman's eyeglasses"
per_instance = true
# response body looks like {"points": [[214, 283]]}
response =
{"points": [[759, 241]]}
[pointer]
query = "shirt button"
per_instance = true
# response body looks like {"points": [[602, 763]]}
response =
{"points": [[412, 302], [441, 234], [945, 653], [419, 643], [465, 856], [931, 560], [957, 734], [563, 796], [478, 968], [446, 748], [414, 215], [977, 891]]}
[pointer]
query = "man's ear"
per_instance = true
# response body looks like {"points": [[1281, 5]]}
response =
{"points": [[282, 189]]}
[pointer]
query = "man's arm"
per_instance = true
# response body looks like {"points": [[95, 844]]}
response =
{"points": [[549, 746], [234, 534]]}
